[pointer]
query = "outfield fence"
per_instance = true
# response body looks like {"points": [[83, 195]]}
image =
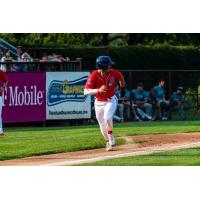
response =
{"points": [[38, 66], [189, 79], [41, 96]]}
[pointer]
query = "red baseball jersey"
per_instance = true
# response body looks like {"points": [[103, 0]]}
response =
{"points": [[96, 80], [3, 78]]}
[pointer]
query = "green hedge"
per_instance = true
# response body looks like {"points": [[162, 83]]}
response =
{"points": [[135, 57]]}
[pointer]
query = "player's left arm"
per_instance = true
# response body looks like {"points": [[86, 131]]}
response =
{"points": [[122, 86]]}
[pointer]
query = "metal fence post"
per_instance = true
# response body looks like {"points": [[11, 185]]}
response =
{"points": [[130, 79], [170, 83], [197, 99]]}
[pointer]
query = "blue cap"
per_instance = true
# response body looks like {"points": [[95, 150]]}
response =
{"points": [[103, 62]]}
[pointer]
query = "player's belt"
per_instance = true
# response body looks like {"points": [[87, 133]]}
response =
{"points": [[103, 99], [107, 99]]}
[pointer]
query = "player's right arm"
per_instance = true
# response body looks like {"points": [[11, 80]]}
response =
{"points": [[4, 79], [88, 91], [90, 88]]}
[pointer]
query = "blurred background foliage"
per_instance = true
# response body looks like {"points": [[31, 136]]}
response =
{"points": [[100, 39]]}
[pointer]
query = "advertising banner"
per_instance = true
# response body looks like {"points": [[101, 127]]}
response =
{"points": [[25, 98], [64, 96]]}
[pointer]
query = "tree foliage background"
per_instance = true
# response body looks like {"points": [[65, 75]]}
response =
{"points": [[100, 39]]}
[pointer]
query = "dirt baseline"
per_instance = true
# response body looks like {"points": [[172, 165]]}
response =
{"points": [[135, 145]]}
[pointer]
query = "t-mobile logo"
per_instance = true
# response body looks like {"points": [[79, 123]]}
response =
{"points": [[26, 96]]}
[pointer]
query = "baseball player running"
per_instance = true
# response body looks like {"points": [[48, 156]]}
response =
{"points": [[102, 83], [4, 80]]}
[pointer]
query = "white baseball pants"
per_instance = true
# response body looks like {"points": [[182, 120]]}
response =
{"points": [[104, 114], [1, 104]]}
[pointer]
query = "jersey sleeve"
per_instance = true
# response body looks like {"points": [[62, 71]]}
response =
{"points": [[90, 82], [3, 77], [118, 75]]}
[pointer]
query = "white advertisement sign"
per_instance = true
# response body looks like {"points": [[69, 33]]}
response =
{"points": [[65, 98]]}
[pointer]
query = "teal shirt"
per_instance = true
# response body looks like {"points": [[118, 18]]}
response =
{"points": [[177, 97], [148, 95], [160, 92], [139, 96]]}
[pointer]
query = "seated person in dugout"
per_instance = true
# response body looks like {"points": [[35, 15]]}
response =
{"points": [[153, 102], [158, 96], [123, 111], [177, 101], [141, 109]]}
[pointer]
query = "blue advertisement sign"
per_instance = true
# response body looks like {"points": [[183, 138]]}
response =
{"points": [[65, 98]]}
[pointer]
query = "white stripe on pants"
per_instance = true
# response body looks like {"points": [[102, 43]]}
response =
{"points": [[1, 104], [104, 114]]}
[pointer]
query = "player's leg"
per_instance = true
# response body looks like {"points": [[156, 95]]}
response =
{"points": [[133, 110], [147, 111], [121, 111], [148, 108], [181, 111], [128, 112], [109, 111], [99, 111], [158, 110], [116, 116], [1, 125], [165, 109]]}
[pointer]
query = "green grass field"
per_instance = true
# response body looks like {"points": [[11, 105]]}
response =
{"points": [[24, 142], [183, 157]]}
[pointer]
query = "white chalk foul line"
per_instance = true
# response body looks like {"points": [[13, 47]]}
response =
{"points": [[134, 153]]}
